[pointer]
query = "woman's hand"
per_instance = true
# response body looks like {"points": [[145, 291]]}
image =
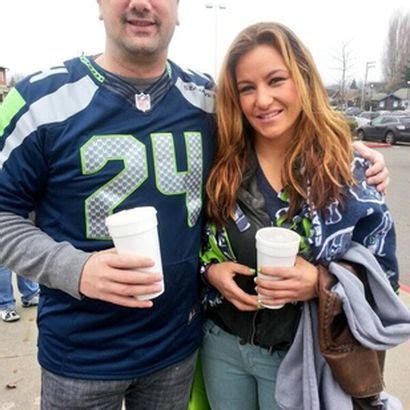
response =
{"points": [[220, 276], [377, 174], [294, 284]]}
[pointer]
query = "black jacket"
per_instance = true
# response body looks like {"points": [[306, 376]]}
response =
{"points": [[265, 327]]}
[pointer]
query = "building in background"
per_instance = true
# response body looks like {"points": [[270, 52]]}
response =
{"points": [[399, 100]]}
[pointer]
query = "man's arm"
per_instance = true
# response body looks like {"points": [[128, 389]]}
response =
{"points": [[101, 275], [54, 264], [377, 174]]}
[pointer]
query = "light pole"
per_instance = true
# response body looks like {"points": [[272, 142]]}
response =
{"points": [[371, 97], [369, 65], [216, 7]]}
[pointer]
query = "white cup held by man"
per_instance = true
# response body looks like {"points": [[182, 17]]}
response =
{"points": [[275, 247], [135, 231]]}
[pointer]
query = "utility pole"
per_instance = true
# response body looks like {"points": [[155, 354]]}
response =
{"points": [[371, 97], [369, 65], [216, 7]]}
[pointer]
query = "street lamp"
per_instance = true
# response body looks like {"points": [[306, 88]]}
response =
{"points": [[369, 65], [216, 7], [371, 97]]}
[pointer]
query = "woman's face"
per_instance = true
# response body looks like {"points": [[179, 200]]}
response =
{"points": [[267, 94]]}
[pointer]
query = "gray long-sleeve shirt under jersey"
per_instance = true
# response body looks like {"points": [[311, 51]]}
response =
{"points": [[29, 252]]}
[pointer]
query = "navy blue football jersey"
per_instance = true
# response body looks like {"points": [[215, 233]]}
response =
{"points": [[78, 144]]}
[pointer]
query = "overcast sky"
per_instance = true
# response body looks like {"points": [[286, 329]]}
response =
{"points": [[36, 34]]}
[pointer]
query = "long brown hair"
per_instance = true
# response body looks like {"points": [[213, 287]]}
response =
{"points": [[320, 152]]}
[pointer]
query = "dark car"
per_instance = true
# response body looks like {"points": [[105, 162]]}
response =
{"points": [[387, 128], [353, 111]]}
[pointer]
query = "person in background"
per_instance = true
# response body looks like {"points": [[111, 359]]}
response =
{"points": [[284, 158], [28, 289]]}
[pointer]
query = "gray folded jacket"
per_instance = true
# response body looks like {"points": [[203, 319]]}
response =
{"points": [[305, 381]]}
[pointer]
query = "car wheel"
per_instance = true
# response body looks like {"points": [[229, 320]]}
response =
{"points": [[390, 138], [360, 135]]}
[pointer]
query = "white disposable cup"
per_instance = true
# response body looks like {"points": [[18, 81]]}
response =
{"points": [[135, 231], [275, 247]]}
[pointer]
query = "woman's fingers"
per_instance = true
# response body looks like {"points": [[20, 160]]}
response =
{"points": [[235, 294]]}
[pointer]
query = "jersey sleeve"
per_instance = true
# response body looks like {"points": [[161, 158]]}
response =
{"points": [[23, 168]]}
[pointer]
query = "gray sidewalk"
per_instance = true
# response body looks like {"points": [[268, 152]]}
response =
{"points": [[20, 374]]}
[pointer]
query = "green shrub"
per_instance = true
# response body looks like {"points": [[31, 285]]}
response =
{"points": [[352, 124]]}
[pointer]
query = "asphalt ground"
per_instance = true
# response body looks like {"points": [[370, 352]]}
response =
{"points": [[20, 373], [398, 199]]}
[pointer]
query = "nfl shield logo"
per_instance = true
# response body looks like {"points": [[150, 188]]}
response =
{"points": [[143, 102]]}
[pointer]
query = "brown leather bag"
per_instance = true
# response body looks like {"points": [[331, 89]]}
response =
{"points": [[357, 369]]}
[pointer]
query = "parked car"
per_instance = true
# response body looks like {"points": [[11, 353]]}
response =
{"points": [[365, 117], [352, 111], [387, 128]]}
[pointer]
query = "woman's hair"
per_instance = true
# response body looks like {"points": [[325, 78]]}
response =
{"points": [[319, 156]]}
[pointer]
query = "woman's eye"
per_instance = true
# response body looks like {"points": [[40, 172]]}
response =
{"points": [[244, 89], [277, 80]]}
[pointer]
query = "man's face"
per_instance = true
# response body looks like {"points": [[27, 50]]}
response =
{"points": [[139, 27]]}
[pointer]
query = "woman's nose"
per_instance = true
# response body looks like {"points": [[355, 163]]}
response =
{"points": [[264, 98]]}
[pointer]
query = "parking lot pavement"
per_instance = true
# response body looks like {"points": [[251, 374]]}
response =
{"points": [[398, 201], [20, 373], [397, 372]]}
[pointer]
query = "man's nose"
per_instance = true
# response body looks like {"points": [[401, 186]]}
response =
{"points": [[141, 5]]}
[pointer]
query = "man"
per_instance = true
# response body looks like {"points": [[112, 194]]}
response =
{"points": [[83, 140], [79, 141]]}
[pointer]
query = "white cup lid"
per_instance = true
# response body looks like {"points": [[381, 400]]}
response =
{"points": [[277, 237], [132, 221]]}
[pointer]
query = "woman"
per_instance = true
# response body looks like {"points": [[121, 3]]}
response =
{"points": [[284, 158]]}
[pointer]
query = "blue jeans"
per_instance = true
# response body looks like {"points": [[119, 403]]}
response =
{"points": [[27, 288], [238, 376], [167, 389]]}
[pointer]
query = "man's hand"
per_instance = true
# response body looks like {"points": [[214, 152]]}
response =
{"points": [[220, 276], [115, 278], [377, 174]]}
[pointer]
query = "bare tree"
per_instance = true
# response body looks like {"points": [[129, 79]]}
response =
{"points": [[396, 57], [344, 61], [15, 78]]}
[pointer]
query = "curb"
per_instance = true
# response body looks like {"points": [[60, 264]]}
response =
{"points": [[405, 288], [377, 144]]}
